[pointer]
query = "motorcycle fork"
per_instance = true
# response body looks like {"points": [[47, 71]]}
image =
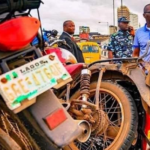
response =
{"points": [[85, 86]]}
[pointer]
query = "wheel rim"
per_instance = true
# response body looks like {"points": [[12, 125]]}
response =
{"points": [[2, 147], [11, 128], [112, 106]]}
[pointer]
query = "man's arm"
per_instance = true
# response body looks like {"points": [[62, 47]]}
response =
{"points": [[110, 47], [136, 46], [136, 52], [131, 31], [110, 54]]}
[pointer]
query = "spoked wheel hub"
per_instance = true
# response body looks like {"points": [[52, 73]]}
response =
{"points": [[101, 123]]}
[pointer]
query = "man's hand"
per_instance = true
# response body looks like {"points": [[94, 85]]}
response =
{"points": [[136, 52], [131, 30], [110, 55]]}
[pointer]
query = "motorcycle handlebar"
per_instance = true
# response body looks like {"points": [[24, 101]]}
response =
{"points": [[47, 31], [60, 41]]}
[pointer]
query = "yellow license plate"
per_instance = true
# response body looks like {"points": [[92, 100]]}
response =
{"points": [[30, 80]]}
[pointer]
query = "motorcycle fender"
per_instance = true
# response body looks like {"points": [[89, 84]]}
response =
{"points": [[66, 131], [148, 79], [138, 77]]}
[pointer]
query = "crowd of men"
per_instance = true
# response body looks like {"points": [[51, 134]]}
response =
{"points": [[124, 43]]}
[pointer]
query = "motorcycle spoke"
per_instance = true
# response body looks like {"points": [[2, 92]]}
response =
{"points": [[100, 99], [83, 146], [111, 107], [112, 114], [107, 141], [114, 122], [109, 100], [115, 112], [11, 128], [112, 111], [104, 140], [103, 99]]}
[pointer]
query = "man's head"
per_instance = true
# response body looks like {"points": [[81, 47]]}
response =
{"points": [[123, 23], [146, 13], [69, 27]]}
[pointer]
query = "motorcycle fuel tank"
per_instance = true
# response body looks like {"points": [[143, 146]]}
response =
{"points": [[18, 33]]}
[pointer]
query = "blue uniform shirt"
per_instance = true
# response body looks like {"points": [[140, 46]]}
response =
{"points": [[140, 41], [121, 44]]}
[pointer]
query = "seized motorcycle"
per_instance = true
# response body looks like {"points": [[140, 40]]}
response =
{"points": [[31, 116], [48, 36], [110, 103], [114, 99]]}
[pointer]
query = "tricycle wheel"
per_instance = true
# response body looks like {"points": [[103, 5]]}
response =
{"points": [[116, 122]]}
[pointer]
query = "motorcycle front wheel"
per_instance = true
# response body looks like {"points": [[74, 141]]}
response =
{"points": [[119, 116], [13, 134]]}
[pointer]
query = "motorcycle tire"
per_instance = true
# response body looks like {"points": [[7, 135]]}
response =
{"points": [[128, 128], [13, 134]]}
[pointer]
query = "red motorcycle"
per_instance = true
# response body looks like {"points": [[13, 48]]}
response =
{"points": [[31, 116]]}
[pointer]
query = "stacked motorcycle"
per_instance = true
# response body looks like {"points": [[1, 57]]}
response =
{"points": [[49, 101]]}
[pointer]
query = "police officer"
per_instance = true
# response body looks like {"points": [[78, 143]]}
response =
{"points": [[120, 45]]}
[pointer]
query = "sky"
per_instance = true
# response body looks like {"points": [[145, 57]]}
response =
{"points": [[86, 13]]}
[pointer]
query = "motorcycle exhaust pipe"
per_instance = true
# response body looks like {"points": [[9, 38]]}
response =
{"points": [[82, 132], [86, 130]]}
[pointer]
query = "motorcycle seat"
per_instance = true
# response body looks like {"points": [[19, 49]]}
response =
{"points": [[74, 69]]}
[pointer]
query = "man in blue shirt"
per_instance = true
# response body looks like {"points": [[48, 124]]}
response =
{"points": [[142, 36]]}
